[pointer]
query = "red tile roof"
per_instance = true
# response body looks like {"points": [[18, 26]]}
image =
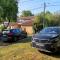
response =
{"points": [[13, 23], [27, 23]]}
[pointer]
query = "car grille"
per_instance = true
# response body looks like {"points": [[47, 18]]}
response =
{"points": [[41, 41]]}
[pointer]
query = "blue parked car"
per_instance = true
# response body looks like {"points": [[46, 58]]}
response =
{"points": [[47, 40], [13, 35]]}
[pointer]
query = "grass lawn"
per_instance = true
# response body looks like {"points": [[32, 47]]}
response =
{"points": [[22, 50]]}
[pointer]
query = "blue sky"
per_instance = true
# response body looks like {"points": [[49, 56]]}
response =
{"points": [[39, 4]]}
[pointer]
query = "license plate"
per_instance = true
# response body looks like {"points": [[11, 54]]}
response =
{"points": [[39, 44]]}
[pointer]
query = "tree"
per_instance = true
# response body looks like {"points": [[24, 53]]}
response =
{"points": [[39, 21], [1, 13], [26, 13], [57, 18], [9, 9]]}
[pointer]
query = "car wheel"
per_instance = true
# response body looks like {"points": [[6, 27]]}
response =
{"points": [[54, 50], [15, 39]]}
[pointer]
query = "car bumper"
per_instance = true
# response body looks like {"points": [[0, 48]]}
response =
{"points": [[43, 47]]}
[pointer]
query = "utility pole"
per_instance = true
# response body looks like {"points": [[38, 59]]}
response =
{"points": [[44, 15]]}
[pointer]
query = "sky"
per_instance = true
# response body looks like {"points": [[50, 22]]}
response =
{"points": [[37, 6]]}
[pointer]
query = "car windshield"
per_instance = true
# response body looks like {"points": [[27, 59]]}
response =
{"points": [[16, 30], [50, 30]]}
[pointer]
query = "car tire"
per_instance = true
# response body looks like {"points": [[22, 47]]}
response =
{"points": [[15, 39], [54, 50]]}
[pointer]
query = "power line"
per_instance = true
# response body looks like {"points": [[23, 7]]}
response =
{"points": [[36, 8], [30, 4], [47, 5], [52, 5], [39, 1], [42, 7], [53, 2], [26, 1], [29, 1]]}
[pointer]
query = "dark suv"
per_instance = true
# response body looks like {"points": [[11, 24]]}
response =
{"points": [[47, 40]]}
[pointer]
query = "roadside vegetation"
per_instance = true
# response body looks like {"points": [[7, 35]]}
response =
{"points": [[50, 19]]}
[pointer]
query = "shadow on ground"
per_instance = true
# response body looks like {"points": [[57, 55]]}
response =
{"points": [[56, 55], [28, 39]]}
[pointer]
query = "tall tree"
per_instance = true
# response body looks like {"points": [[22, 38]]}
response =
{"points": [[9, 9], [26, 13]]}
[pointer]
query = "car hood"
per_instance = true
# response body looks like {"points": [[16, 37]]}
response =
{"points": [[45, 36]]}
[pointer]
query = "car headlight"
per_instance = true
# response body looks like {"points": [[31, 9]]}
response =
{"points": [[55, 40], [33, 40]]}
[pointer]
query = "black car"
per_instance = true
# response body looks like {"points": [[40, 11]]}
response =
{"points": [[13, 35], [47, 40]]}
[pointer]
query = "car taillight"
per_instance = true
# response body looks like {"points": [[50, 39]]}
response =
{"points": [[9, 33]]}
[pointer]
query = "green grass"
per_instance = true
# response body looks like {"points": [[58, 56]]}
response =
{"points": [[22, 50]]}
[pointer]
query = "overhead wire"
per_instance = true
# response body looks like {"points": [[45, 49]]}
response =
{"points": [[47, 5]]}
